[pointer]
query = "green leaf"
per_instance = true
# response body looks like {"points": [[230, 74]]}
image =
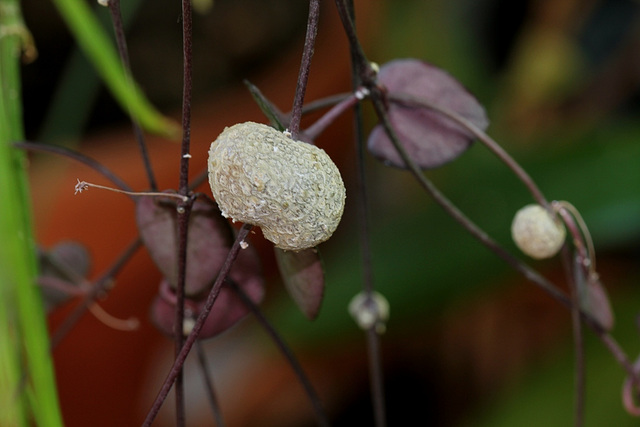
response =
{"points": [[95, 43], [276, 118], [27, 385]]}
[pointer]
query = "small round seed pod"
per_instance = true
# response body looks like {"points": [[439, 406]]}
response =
{"points": [[289, 188], [537, 233]]}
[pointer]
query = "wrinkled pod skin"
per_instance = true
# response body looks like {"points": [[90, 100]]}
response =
{"points": [[291, 189]]}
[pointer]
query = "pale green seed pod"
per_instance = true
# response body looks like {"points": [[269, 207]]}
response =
{"points": [[537, 233], [291, 189]]}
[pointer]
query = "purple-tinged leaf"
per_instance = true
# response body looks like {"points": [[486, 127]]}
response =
{"points": [[430, 138], [209, 239], [63, 268], [303, 278], [597, 304], [228, 307], [69, 260], [593, 296]]}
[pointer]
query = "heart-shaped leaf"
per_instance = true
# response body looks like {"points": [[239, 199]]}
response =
{"points": [[593, 295], [597, 304], [209, 239], [63, 268], [303, 278], [228, 307], [430, 138], [600, 305]]}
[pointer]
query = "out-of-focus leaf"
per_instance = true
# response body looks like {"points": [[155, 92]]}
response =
{"points": [[228, 307], [593, 296], [28, 394], [67, 260], [275, 116], [430, 138], [62, 269], [209, 239], [94, 42], [599, 305], [303, 278]]}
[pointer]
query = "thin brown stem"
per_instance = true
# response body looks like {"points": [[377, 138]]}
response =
{"points": [[79, 157], [575, 278], [362, 66], [208, 383], [489, 142], [178, 363], [323, 103], [460, 217], [184, 209], [313, 131], [515, 263], [187, 41], [116, 18], [100, 286], [305, 65], [374, 352], [284, 348]]}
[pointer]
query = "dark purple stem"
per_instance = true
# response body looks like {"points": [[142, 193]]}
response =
{"points": [[359, 67], [575, 279], [360, 63], [576, 272], [184, 209], [322, 103], [313, 131], [186, 96], [74, 155], [529, 273], [208, 383], [189, 342], [489, 142], [455, 213], [305, 65], [118, 27], [321, 417]]}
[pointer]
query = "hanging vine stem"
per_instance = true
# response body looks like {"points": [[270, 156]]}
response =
{"points": [[305, 65], [359, 68], [575, 282], [529, 273], [183, 209], [208, 383], [320, 414], [586, 254], [367, 76], [178, 363], [121, 42], [568, 264], [74, 155], [489, 142], [99, 287]]}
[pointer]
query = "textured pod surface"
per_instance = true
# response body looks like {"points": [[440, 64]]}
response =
{"points": [[536, 232], [291, 189]]}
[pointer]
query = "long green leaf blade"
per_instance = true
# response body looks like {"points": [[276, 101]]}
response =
{"points": [[95, 43], [27, 385]]}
